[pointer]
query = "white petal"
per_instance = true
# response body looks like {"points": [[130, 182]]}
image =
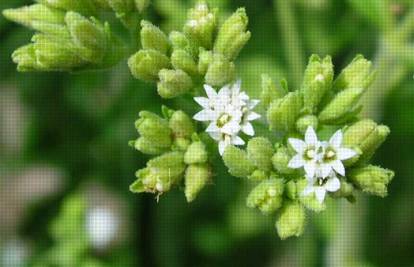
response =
{"points": [[310, 169], [310, 136], [224, 93], [222, 146], [216, 135], [253, 103], [324, 170], [212, 127], [236, 140], [231, 128], [336, 139], [338, 167], [211, 93], [345, 153], [202, 101], [309, 189], [320, 194], [248, 129], [297, 144], [296, 162], [204, 115], [237, 85], [251, 116], [333, 184]]}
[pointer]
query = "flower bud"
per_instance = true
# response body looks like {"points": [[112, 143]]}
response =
{"points": [[358, 74], [85, 7], [258, 175], [346, 190], [318, 79], [123, 9], [153, 38], [141, 5], [291, 190], [283, 112], [309, 201], [220, 71], [180, 41], [305, 121], [232, 35], [173, 83], [342, 106], [280, 160], [201, 25], [367, 136], [154, 129], [371, 179], [204, 60], [269, 91], [196, 178], [267, 196], [147, 147], [181, 124], [260, 152], [291, 221], [196, 153], [146, 64], [237, 161], [181, 144], [182, 60]]}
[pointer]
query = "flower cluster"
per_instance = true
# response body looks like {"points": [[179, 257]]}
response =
{"points": [[229, 112]]}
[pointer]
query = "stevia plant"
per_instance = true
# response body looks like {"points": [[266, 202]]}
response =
{"points": [[317, 145]]}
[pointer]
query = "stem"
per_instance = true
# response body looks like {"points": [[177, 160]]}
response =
{"points": [[290, 36]]}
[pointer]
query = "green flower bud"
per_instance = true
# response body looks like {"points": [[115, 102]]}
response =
{"points": [[317, 81], [154, 129], [204, 61], [153, 38], [237, 161], [283, 112], [346, 190], [367, 136], [196, 178], [342, 106], [269, 91], [123, 8], [201, 25], [147, 147], [141, 5], [31, 16], [291, 190], [267, 196], [291, 221], [180, 41], [260, 151], [173, 83], [196, 153], [232, 35], [371, 179], [305, 121], [309, 201], [258, 175], [220, 71], [82, 6], [181, 144], [182, 60], [358, 74], [281, 159], [181, 124], [146, 64]]}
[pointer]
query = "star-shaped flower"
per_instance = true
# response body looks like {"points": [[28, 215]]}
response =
{"points": [[320, 186]]}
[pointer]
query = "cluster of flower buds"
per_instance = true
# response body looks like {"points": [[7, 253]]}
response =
{"points": [[179, 154], [325, 150], [202, 53]]}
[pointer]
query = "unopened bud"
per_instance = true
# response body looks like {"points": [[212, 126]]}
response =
{"points": [[291, 221], [85, 7], [220, 71], [309, 201], [196, 153], [154, 128], [371, 179], [204, 61], [146, 64], [147, 147], [267, 196], [306, 121], [196, 178], [280, 160], [181, 124], [270, 91], [153, 38], [141, 5], [283, 112], [173, 83], [180, 41], [237, 162], [260, 152], [258, 175], [182, 60], [358, 74]]}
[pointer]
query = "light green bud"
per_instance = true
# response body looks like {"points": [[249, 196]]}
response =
{"points": [[291, 221], [309, 201], [258, 175], [85, 7], [141, 5], [181, 124], [317, 81], [291, 190], [270, 91], [342, 106], [153, 38], [147, 147], [122, 8], [154, 128], [204, 61], [181, 144], [220, 71], [196, 153], [283, 112], [232, 35], [196, 178], [182, 60], [146, 64], [371, 179], [173, 83], [367, 136], [180, 41], [358, 74], [346, 190], [201, 25], [31, 16], [260, 152], [237, 161], [304, 122], [267, 196], [280, 160]]}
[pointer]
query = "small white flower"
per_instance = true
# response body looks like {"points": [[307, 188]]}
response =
{"points": [[320, 186], [102, 226], [229, 111], [308, 152], [333, 155]]}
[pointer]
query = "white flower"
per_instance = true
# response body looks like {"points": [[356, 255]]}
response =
{"points": [[308, 152], [102, 226], [320, 186], [229, 111], [333, 155]]}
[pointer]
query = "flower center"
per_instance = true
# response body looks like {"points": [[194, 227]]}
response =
{"points": [[321, 181], [310, 153], [330, 154], [223, 119]]}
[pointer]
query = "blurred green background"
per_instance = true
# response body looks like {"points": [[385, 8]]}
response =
{"points": [[63, 136]]}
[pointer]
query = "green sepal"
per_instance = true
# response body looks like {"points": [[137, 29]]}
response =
{"points": [[291, 221], [197, 176], [371, 179], [153, 38], [146, 64], [283, 112], [173, 83], [196, 153], [181, 124], [237, 161], [154, 128], [260, 152], [220, 71], [270, 91], [267, 196]]}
